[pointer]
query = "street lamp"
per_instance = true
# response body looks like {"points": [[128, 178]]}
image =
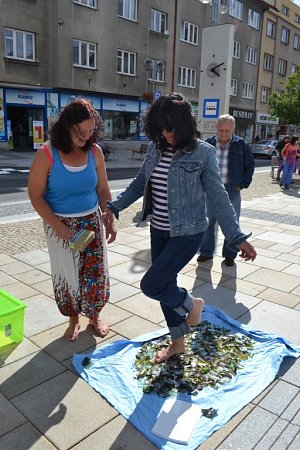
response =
{"points": [[154, 67]]}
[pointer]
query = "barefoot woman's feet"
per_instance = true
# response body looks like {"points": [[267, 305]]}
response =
{"points": [[194, 316], [100, 326], [176, 348], [72, 332]]}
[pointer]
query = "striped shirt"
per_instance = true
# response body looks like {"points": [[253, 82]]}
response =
{"points": [[159, 185], [222, 159]]}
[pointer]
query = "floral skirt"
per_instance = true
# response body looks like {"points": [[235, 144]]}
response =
{"points": [[80, 279]]}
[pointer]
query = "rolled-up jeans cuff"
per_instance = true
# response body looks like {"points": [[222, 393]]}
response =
{"points": [[186, 307], [179, 331]]}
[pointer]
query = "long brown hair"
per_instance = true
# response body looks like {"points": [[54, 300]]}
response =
{"points": [[75, 112]]}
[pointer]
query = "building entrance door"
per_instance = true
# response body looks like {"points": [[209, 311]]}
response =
{"points": [[21, 125]]}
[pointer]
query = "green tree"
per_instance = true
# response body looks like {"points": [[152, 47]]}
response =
{"points": [[287, 105]]}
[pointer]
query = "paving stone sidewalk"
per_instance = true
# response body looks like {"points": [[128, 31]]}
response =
{"points": [[43, 402]]}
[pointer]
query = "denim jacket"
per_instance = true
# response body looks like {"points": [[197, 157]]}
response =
{"points": [[193, 174], [241, 163]]}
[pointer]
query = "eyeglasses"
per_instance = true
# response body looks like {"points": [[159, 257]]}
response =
{"points": [[168, 128], [177, 98]]}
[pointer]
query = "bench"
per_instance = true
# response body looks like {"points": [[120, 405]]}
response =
{"points": [[141, 151]]}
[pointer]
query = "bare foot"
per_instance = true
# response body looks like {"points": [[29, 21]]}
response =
{"points": [[100, 326], [72, 332], [176, 348], [194, 316]]}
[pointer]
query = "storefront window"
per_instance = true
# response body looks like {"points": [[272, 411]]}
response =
{"points": [[120, 125]]}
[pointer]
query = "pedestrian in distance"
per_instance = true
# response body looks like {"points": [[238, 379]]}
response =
{"points": [[289, 156], [67, 184], [279, 147], [236, 164], [177, 173]]}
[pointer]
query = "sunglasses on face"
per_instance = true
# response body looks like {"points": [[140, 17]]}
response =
{"points": [[169, 128]]}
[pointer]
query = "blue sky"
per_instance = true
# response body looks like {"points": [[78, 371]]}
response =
{"points": [[297, 2]]}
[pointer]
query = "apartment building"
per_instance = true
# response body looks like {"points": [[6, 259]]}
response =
{"points": [[121, 54], [279, 58]]}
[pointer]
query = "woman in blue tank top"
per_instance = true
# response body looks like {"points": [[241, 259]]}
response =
{"points": [[67, 185]]}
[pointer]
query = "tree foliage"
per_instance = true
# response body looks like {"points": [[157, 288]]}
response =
{"points": [[287, 105]]}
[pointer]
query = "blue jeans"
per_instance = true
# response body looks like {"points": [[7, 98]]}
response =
{"points": [[169, 256], [209, 241], [287, 174]]}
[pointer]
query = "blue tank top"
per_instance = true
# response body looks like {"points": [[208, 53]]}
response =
{"points": [[71, 192]]}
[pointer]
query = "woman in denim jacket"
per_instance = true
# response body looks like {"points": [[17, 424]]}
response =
{"points": [[177, 172]]}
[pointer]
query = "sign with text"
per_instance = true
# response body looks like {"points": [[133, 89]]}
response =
{"points": [[24, 97], [38, 133], [211, 108]]}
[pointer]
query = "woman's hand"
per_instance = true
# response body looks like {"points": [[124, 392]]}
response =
{"points": [[107, 218], [111, 232], [248, 252], [62, 231]]}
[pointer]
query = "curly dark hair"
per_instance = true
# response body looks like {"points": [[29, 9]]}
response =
{"points": [[75, 112], [171, 111]]}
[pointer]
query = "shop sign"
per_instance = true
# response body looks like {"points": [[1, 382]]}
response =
{"points": [[267, 118], [67, 98], [113, 104], [24, 97], [244, 115]]}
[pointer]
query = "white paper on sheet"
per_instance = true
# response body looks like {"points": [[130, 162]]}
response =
{"points": [[176, 420]]}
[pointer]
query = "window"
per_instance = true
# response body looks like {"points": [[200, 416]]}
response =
{"points": [[253, 19], [127, 9], [296, 45], [248, 90], [282, 67], [285, 10], [294, 69], [271, 29], [251, 55], [186, 77], [236, 49], [89, 3], [188, 32], [236, 9], [158, 21], [233, 87], [285, 35], [19, 44], [84, 54], [265, 93], [297, 18], [268, 62], [126, 62], [157, 72]]}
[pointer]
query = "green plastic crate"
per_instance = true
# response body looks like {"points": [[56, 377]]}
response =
{"points": [[11, 319]]}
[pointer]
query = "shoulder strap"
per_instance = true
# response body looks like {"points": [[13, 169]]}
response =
{"points": [[47, 151]]}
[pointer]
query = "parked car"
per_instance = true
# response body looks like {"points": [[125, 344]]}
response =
{"points": [[265, 148]]}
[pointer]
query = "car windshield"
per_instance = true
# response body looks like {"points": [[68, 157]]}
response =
{"points": [[265, 142]]}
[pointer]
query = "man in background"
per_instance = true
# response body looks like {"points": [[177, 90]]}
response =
{"points": [[236, 164]]}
